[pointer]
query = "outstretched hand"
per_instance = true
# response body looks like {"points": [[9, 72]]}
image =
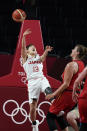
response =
{"points": [[75, 97], [27, 31], [49, 48], [49, 96]]}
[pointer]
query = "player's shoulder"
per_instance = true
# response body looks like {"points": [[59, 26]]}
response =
{"points": [[72, 65]]}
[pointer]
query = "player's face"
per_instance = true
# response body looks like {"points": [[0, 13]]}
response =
{"points": [[74, 52], [32, 51]]}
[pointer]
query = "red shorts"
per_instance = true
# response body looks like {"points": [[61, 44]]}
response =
{"points": [[63, 102]]}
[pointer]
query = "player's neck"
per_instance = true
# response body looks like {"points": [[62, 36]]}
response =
{"points": [[75, 58], [31, 56]]}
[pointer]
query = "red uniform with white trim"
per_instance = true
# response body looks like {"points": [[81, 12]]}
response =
{"points": [[64, 101]]}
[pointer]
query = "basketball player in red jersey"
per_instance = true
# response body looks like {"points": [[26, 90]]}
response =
{"points": [[63, 94], [82, 99], [73, 116], [37, 82]]}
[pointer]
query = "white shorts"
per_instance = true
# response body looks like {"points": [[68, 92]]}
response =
{"points": [[35, 87]]}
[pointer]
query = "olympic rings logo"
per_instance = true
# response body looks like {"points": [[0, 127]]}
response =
{"points": [[23, 111]]}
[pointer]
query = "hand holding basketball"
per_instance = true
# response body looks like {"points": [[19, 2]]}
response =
{"points": [[19, 15]]}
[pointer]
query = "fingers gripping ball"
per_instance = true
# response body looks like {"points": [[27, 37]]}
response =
{"points": [[19, 15]]}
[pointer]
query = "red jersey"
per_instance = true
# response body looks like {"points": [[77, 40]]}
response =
{"points": [[83, 94], [64, 101], [82, 104]]}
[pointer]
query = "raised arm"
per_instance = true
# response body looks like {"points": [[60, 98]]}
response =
{"points": [[23, 48], [77, 82], [48, 49]]}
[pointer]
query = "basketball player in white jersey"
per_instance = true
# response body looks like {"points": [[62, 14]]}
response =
{"points": [[37, 82]]}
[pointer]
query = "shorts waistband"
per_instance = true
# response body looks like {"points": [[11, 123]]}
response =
{"points": [[35, 78]]}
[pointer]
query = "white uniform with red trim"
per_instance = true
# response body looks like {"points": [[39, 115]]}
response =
{"points": [[37, 82]]}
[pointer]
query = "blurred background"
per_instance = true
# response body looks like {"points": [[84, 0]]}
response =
{"points": [[63, 23]]}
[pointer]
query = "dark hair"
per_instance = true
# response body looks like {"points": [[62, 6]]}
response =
{"points": [[27, 47], [82, 52]]}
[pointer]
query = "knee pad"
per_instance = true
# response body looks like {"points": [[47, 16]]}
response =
{"points": [[51, 121], [48, 90], [62, 122]]}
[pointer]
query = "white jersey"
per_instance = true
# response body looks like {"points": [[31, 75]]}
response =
{"points": [[33, 67]]}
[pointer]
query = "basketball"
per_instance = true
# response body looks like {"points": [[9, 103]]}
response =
{"points": [[19, 15]]}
